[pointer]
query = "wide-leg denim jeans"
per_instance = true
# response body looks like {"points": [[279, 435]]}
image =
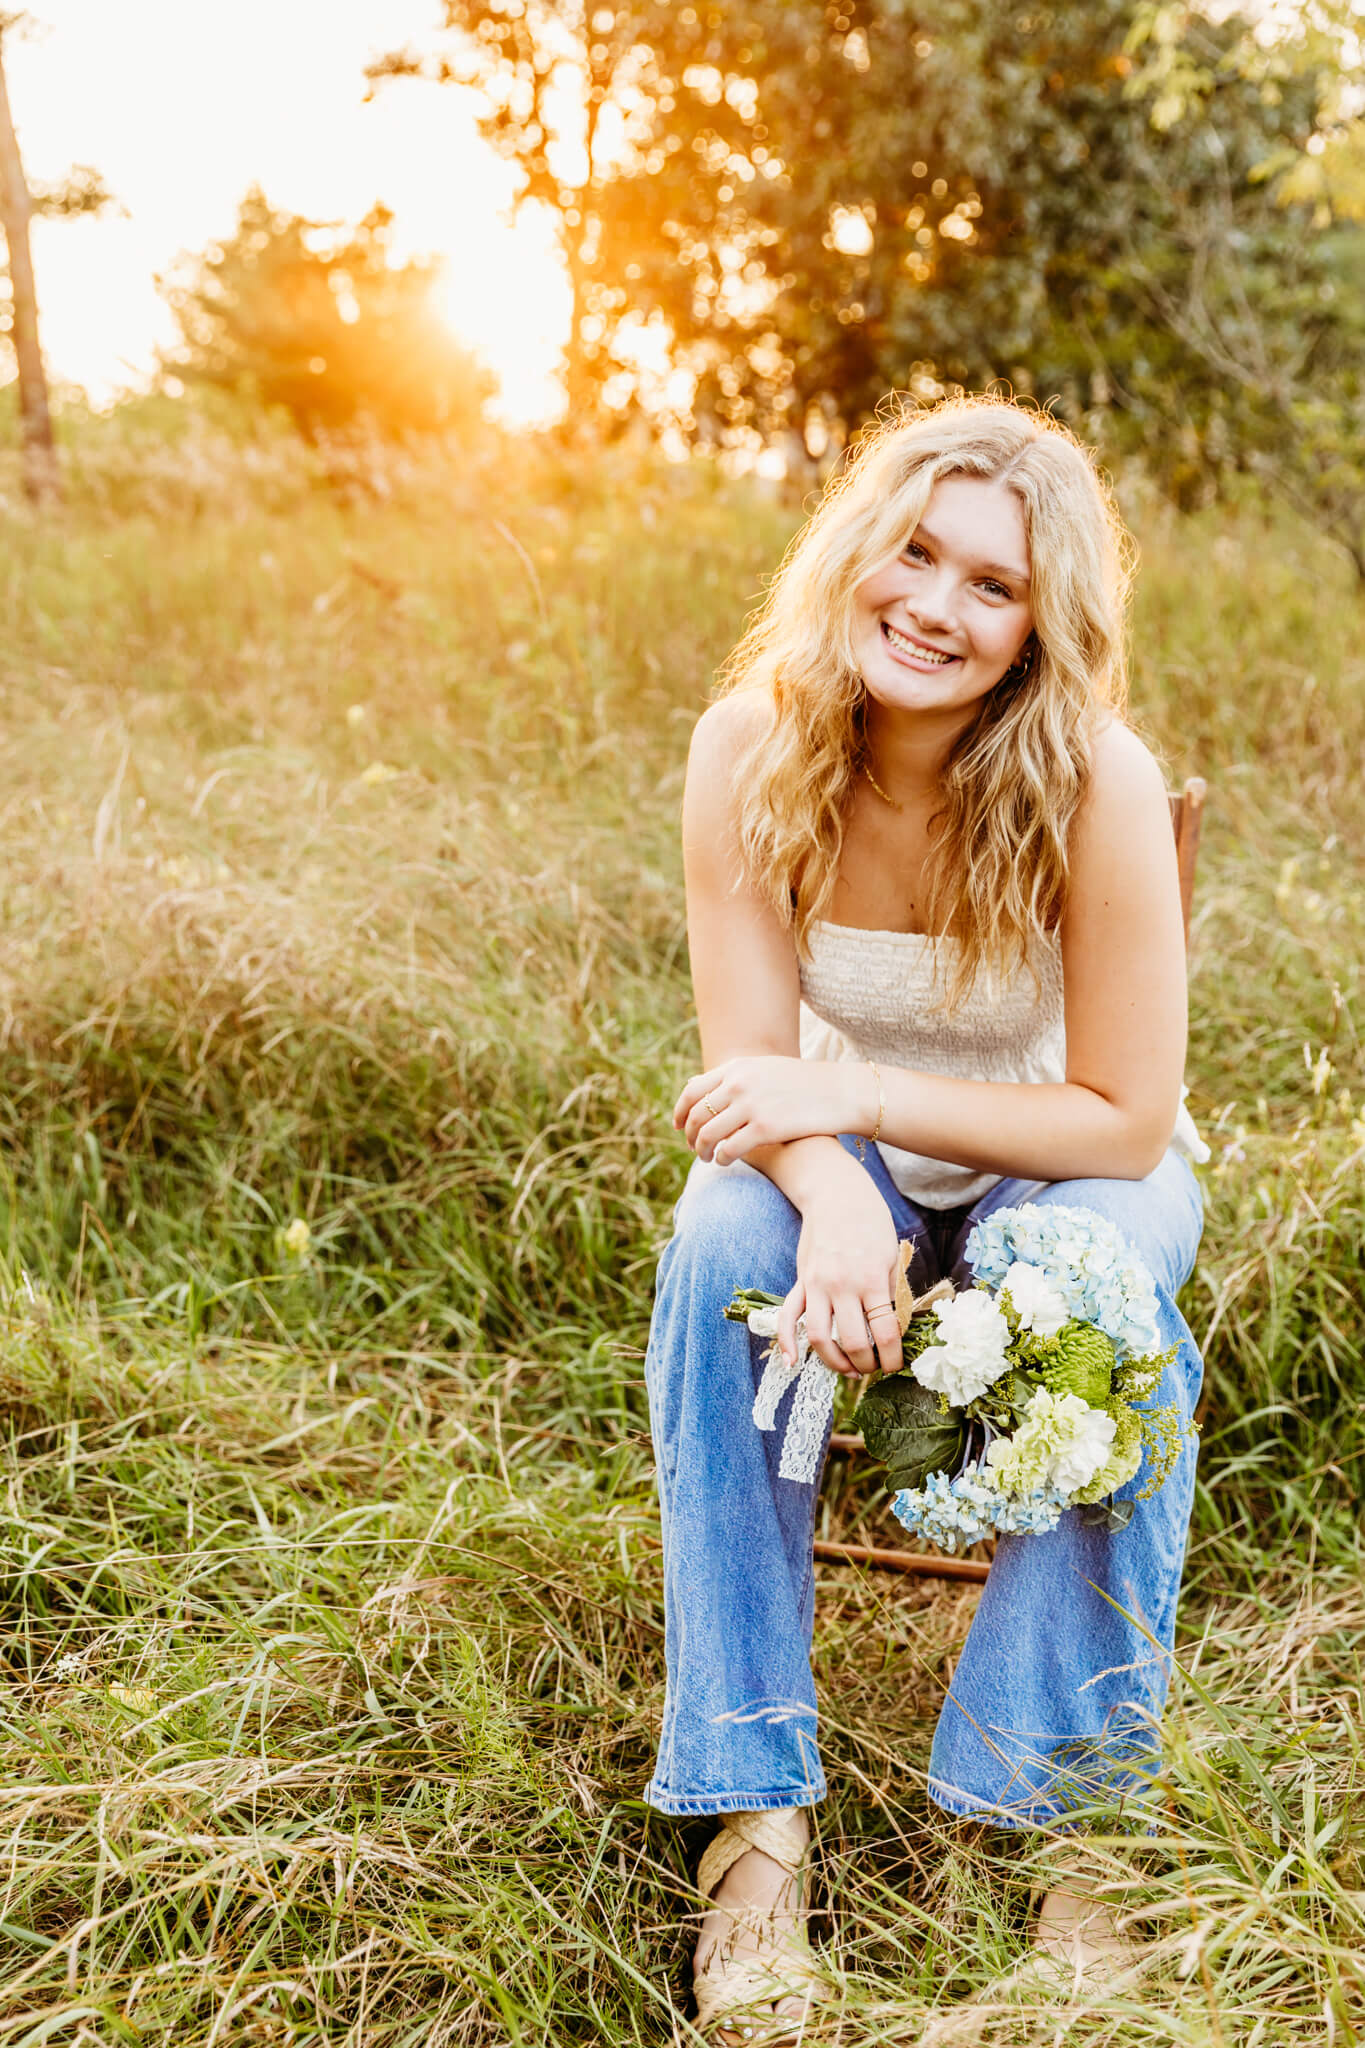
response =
{"points": [[1057, 1695]]}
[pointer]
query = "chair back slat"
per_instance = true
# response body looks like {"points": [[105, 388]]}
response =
{"points": [[1187, 818]]}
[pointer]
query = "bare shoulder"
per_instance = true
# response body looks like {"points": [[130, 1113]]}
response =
{"points": [[1127, 786], [1123, 766], [1122, 846], [722, 733], [729, 723]]}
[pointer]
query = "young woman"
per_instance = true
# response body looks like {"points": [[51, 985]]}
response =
{"points": [[937, 954]]}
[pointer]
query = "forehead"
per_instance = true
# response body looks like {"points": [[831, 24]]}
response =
{"points": [[980, 519]]}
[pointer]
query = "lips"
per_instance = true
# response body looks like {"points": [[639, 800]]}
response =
{"points": [[917, 650]]}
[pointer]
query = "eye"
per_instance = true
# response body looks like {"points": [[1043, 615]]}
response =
{"points": [[915, 551], [996, 589]]}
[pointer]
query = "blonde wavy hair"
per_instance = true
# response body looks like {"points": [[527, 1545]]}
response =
{"points": [[1016, 777]]}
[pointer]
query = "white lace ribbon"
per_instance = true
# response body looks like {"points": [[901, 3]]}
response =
{"points": [[812, 1403]]}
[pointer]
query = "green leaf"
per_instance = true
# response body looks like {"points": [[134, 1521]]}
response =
{"points": [[1110, 1515], [907, 1427], [746, 1299]]}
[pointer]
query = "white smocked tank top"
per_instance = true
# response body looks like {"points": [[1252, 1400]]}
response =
{"points": [[878, 995]]}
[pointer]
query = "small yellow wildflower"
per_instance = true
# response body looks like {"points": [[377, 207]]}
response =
{"points": [[139, 1699], [1319, 1070], [1289, 875], [379, 771], [356, 714], [297, 1238]]}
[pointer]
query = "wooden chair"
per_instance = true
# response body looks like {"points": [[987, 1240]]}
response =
{"points": [[1187, 817]]}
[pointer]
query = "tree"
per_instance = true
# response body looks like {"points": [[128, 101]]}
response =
{"points": [[82, 192], [1284, 337], [322, 321], [819, 200], [565, 86], [592, 103], [929, 197]]}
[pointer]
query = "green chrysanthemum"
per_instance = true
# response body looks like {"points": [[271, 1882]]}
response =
{"points": [[1081, 1361]]}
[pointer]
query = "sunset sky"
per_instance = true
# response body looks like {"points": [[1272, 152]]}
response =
{"points": [[181, 107]]}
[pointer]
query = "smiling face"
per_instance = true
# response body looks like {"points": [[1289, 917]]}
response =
{"points": [[937, 627]]}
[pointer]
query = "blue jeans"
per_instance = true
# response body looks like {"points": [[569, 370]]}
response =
{"points": [[1058, 1693]]}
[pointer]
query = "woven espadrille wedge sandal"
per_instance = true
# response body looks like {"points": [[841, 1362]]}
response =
{"points": [[736, 1989]]}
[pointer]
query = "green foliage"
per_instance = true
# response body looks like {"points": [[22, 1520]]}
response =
{"points": [[1140, 214], [1125, 1454], [909, 1429], [324, 323]]}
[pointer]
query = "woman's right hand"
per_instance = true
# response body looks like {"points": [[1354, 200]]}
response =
{"points": [[847, 1265]]}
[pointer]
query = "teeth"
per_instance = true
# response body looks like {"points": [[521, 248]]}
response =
{"points": [[912, 647]]}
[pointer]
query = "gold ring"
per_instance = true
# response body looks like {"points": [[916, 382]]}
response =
{"points": [[710, 1106], [883, 1308]]}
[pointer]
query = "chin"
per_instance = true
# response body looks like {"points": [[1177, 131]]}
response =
{"points": [[906, 689]]}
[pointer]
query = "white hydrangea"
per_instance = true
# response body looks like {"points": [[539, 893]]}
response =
{"points": [[1039, 1305], [971, 1357], [1062, 1442]]}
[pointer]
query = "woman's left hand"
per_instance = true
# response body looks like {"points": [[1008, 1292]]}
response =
{"points": [[763, 1099]]}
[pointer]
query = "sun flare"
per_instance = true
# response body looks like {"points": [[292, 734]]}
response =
{"points": [[134, 89], [502, 289]]}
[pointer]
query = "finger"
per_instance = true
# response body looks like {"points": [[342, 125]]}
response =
{"points": [[737, 1146], [692, 1095], [820, 1330], [717, 1128], [886, 1332], [851, 1323], [705, 1111], [683, 1105], [688, 1105], [786, 1323]]}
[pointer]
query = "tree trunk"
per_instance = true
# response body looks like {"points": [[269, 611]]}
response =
{"points": [[580, 386], [41, 480]]}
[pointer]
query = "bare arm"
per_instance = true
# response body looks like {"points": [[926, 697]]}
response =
{"points": [[747, 988], [1123, 959]]}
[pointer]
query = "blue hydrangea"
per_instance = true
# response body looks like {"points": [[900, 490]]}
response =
{"points": [[1092, 1264], [954, 1513]]}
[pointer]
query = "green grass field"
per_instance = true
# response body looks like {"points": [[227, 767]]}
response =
{"points": [[341, 890]]}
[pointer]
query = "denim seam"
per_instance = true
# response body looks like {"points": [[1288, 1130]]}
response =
{"points": [[684, 1803], [963, 1807]]}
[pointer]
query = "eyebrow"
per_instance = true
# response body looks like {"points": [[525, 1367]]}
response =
{"points": [[999, 569]]}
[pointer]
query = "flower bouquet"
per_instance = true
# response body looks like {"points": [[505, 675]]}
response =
{"points": [[1019, 1397]]}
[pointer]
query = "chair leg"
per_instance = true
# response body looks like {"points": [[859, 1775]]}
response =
{"points": [[913, 1561], [903, 1561]]}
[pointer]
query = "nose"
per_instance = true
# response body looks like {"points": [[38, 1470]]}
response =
{"points": [[934, 601]]}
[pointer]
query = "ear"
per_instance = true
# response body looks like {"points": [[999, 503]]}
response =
{"points": [[1024, 663]]}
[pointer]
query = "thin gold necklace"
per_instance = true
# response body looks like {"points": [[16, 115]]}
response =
{"points": [[880, 791]]}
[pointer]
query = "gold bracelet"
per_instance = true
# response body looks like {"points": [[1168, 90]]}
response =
{"points": [[881, 1099], [881, 1112]]}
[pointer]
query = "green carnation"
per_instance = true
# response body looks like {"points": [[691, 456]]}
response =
{"points": [[1079, 1361]]}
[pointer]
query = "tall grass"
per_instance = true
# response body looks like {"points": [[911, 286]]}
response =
{"points": [[341, 889]]}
